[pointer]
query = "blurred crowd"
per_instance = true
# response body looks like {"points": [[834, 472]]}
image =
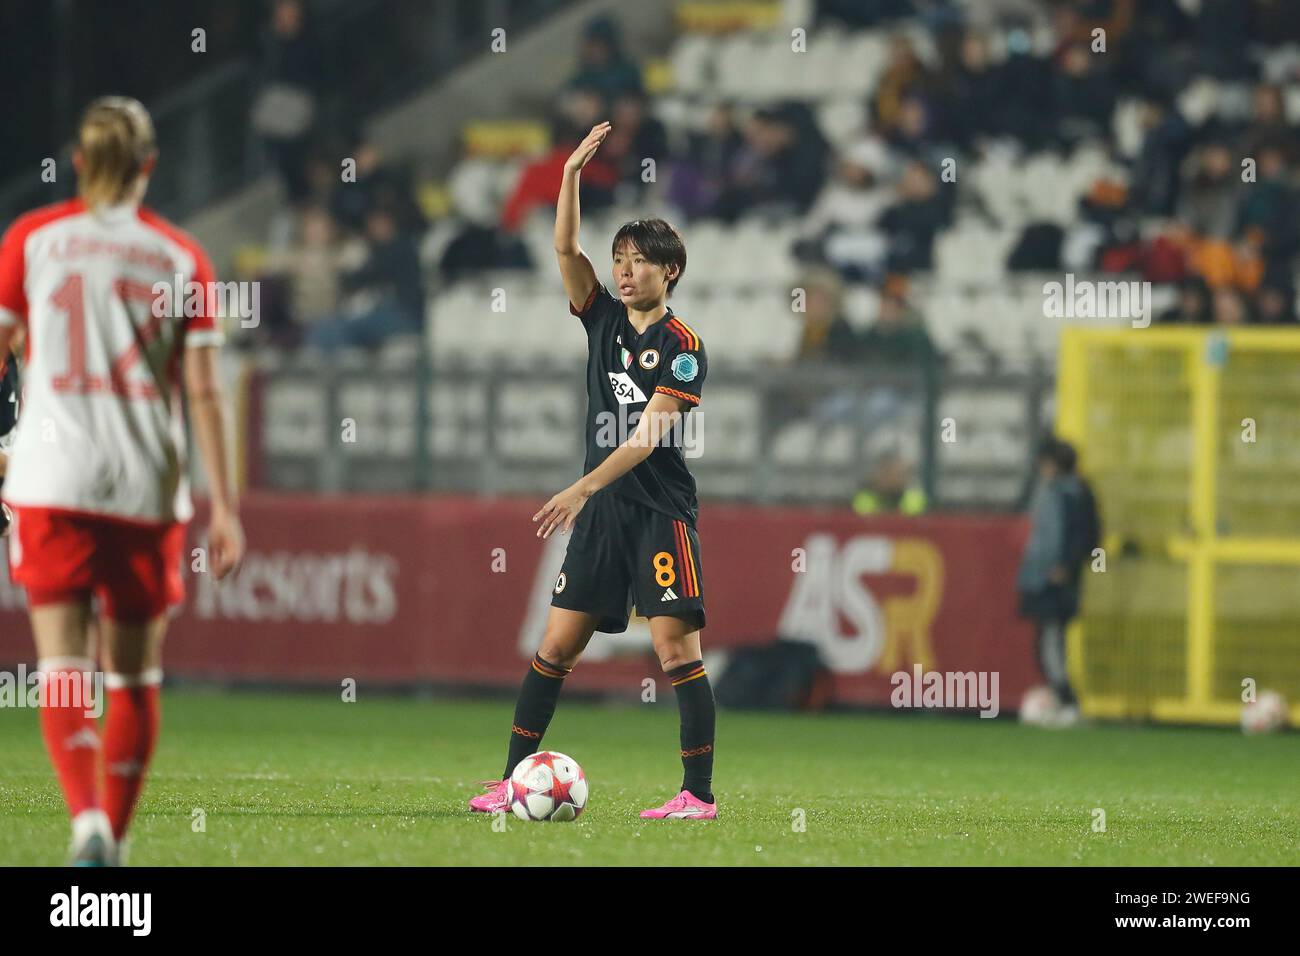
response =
{"points": [[1204, 205], [343, 267]]}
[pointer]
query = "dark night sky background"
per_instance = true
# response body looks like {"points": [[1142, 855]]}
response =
{"points": [[56, 55]]}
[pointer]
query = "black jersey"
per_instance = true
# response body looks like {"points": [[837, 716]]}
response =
{"points": [[623, 370]]}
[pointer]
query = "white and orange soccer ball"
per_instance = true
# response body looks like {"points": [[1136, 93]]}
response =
{"points": [[1265, 714], [548, 786]]}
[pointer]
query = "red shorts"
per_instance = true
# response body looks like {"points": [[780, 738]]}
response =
{"points": [[133, 570]]}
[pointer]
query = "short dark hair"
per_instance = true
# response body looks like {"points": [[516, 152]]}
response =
{"points": [[658, 241], [1060, 453]]}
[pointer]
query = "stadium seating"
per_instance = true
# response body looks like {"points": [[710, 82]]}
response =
{"points": [[749, 266]]}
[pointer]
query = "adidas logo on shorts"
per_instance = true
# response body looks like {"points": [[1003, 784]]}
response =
{"points": [[668, 595]]}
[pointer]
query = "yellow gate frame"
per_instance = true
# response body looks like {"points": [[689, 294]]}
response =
{"points": [[1205, 352]]}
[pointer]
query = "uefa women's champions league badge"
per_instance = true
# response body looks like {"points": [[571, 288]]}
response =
{"points": [[685, 368]]}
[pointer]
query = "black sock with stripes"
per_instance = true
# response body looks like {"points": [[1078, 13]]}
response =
{"points": [[534, 709], [695, 705]]}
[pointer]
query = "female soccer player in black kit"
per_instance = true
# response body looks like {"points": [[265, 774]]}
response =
{"points": [[633, 512]]}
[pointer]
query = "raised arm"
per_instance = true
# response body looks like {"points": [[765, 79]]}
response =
{"points": [[576, 270]]}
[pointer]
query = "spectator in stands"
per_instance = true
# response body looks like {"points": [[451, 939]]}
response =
{"points": [[1266, 217], [322, 175], [971, 98], [1209, 196], [579, 108], [826, 335], [1024, 84], [1221, 35], [1193, 306], [1230, 307], [377, 184], [1158, 51], [471, 240], [904, 75], [293, 77], [1268, 124], [1075, 20], [539, 181], [1165, 140], [892, 488], [350, 201], [1082, 96], [898, 336], [635, 137], [913, 221], [781, 167], [387, 290], [916, 133], [1226, 264], [602, 65], [478, 248], [1275, 301], [311, 267], [841, 227], [475, 189], [698, 176]]}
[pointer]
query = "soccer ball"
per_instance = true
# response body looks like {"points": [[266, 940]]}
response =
{"points": [[1038, 706], [1265, 715], [548, 786]]}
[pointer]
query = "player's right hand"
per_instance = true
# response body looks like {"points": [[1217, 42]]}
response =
{"points": [[225, 543], [587, 148]]}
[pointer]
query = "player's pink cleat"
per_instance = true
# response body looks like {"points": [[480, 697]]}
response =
{"points": [[684, 806], [496, 800]]}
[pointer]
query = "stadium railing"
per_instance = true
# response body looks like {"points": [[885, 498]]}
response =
{"points": [[792, 434]]}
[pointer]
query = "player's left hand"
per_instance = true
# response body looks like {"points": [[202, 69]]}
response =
{"points": [[225, 542], [560, 512]]}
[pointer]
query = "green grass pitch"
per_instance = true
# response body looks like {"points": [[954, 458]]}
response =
{"points": [[302, 779]]}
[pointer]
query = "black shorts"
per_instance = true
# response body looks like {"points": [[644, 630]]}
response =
{"points": [[624, 554]]}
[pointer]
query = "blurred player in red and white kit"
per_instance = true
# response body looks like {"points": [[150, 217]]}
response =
{"points": [[96, 472]]}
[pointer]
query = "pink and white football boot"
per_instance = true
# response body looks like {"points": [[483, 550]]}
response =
{"points": [[495, 800], [684, 806]]}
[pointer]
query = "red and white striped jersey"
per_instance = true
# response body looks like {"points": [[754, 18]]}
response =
{"points": [[101, 431]]}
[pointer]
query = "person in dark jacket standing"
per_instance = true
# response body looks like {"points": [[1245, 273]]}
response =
{"points": [[1063, 531]]}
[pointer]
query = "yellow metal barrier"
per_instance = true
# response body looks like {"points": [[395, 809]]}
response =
{"points": [[1191, 438]]}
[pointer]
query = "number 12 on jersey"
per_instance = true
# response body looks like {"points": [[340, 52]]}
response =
{"points": [[70, 298]]}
